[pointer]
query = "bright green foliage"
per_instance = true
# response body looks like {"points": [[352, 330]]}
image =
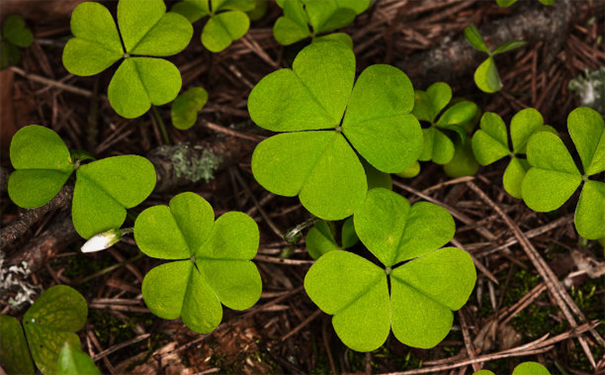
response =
{"points": [[14, 356], [212, 261], [553, 175], [429, 107], [227, 20], [104, 188], [490, 143], [525, 368], [15, 35], [146, 30], [186, 106], [427, 282], [320, 166], [309, 18], [411, 171], [507, 3], [73, 361], [321, 238], [486, 75]]}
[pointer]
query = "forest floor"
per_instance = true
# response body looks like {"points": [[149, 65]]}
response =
{"points": [[540, 300]]}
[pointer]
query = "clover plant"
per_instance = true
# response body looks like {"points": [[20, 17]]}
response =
{"points": [[507, 3], [321, 238], [104, 188], [553, 175], [413, 290], [47, 325], [486, 75], [490, 143], [316, 156], [146, 32], [211, 261], [227, 20], [73, 361], [309, 18], [429, 107], [525, 368], [186, 106], [15, 35]]}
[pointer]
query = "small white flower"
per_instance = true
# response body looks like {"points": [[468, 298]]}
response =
{"points": [[102, 241]]}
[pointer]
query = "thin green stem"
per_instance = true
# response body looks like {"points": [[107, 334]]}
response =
{"points": [[158, 118]]}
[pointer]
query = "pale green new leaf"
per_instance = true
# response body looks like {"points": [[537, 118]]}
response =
{"points": [[378, 122], [587, 130], [140, 82], [14, 356], [186, 106], [73, 361], [490, 143], [96, 44], [436, 146], [51, 321], [487, 78], [513, 177], [590, 212], [509, 46], [458, 114], [473, 36], [439, 95], [223, 28], [16, 32], [106, 188], [42, 166]]}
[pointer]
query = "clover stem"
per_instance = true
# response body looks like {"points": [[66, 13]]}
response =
{"points": [[161, 125]]}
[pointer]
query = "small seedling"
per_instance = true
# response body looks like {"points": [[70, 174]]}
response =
{"points": [[507, 3], [309, 18], [553, 175], [486, 75], [73, 361], [104, 188], [14, 35], [525, 368], [316, 158], [414, 290], [227, 20], [211, 261], [321, 238], [490, 143], [145, 30], [186, 106], [48, 324], [429, 104]]}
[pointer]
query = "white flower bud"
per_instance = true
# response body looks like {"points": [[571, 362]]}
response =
{"points": [[102, 241]]}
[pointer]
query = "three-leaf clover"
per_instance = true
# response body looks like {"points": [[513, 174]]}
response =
{"points": [[211, 261], [429, 104], [490, 143], [48, 324], [553, 175], [15, 35], [426, 282], [104, 188], [227, 20], [321, 238], [186, 106], [316, 158], [309, 18], [145, 30], [486, 75]]}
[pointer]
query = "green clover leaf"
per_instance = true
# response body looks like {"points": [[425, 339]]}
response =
{"points": [[525, 368], [186, 106], [427, 282], [14, 356], [490, 143], [212, 261], [553, 175], [320, 238], [73, 361], [321, 166], [146, 30], [15, 35], [51, 322]]}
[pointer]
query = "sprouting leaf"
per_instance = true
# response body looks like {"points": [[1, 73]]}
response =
{"points": [[146, 30], [554, 176], [16, 32], [509, 46], [186, 106], [51, 321], [9, 54], [431, 102], [490, 143], [321, 166], [106, 188], [212, 261], [14, 356], [410, 172], [73, 361], [424, 290], [437, 146], [42, 166], [487, 78], [472, 34]]}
